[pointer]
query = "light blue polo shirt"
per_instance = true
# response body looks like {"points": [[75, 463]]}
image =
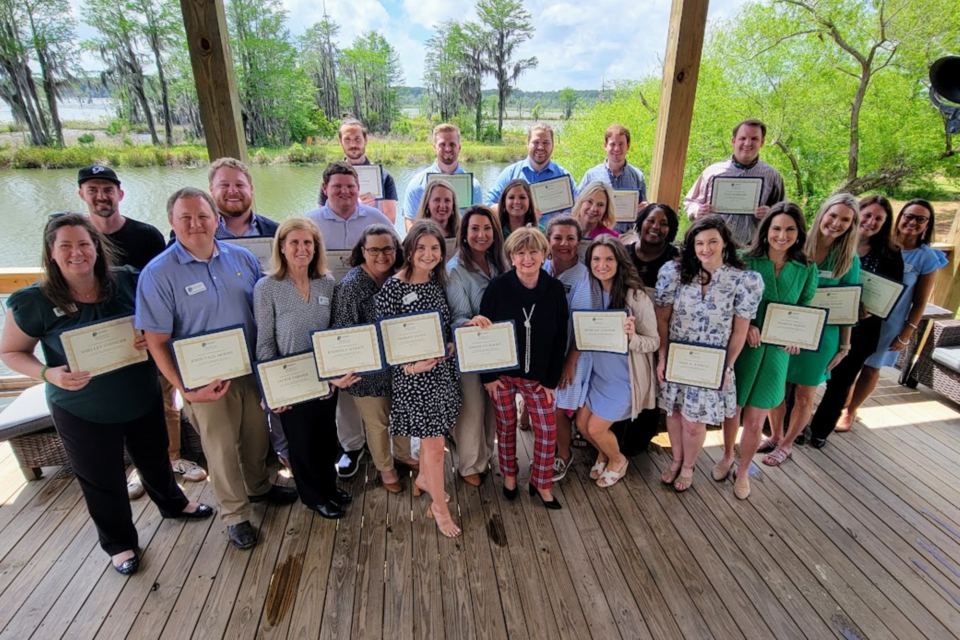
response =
{"points": [[524, 171], [418, 184], [339, 234], [182, 296]]}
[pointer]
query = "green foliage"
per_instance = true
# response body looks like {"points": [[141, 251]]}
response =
{"points": [[86, 139], [116, 126], [369, 73], [568, 101]]}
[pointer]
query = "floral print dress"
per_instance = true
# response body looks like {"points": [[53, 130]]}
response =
{"points": [[707, 320]]}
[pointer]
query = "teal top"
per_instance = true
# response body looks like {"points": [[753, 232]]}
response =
{"points": [[118, 396]]}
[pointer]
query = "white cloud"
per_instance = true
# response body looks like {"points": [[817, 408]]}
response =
{"points": [[430, 13]]}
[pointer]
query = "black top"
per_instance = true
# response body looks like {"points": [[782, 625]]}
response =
{"points": [[137, 243], [353, 304], [648, 270], [506, 298], [889, 264], [389, 185]]}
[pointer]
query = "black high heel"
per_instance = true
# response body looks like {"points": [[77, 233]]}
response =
{"points": [[510, 494], [553, 504]]}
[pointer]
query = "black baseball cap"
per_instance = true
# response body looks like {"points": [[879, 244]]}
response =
{"points": [[97, 172]]}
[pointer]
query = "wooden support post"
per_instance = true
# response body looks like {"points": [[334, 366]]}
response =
{"points": [[946, 288], [688, 23], [212, 62]]}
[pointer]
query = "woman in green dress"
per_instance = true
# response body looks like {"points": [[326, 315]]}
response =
{"points": [[832, 246], [776, 253]]}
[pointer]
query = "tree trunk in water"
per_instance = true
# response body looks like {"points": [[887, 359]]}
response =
{"points": [[50, 89], [167, 122]]}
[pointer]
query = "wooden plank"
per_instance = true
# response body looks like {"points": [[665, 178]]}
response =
{"points": [[18, 522], [681, 68], [428, 603], [16, 278], [213, 73], [454, 581], [278, 608], [20, 492], [371, 559], [337, 619], [398, 594], [311, 600]]}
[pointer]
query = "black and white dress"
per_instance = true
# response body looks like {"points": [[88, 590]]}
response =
{"points": [[425, 405]]}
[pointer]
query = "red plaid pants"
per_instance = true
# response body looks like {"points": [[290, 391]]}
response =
{"points": [[542, 419]]}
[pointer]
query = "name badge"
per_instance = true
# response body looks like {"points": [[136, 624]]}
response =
{"points": [[324, 301], [410, 298], [193, 289], [907, 267], [826, 274]]}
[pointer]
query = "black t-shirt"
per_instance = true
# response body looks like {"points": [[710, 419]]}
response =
{"points": [[648, 270], [389, 186], [137, 243]]}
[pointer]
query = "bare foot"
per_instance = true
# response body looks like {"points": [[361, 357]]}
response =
{"points": [[420, 489], [445, 522], [845, 423], [668, 477], [122, 557], [192, 507]]}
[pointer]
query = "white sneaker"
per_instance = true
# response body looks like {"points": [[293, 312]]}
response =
{"points": [[191, 471], [134, 486]]}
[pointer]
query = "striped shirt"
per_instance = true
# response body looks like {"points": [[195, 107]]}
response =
{"points": [[465, 290]]}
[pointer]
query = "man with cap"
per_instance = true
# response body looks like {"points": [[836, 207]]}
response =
{"points": [[136, 244]]}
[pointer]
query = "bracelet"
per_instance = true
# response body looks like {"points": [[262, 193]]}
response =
{"points": [[915, 327], [902, 342], [844, 347], [43, 373]]}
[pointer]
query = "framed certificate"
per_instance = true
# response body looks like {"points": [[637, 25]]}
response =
{"points": [[625, 203], [491, 349], [412, 337], [790, 325], [371, 179], [216, 355], [600, 330], [102, 347], [290, 380], [880, 295], [339, 351], [842, 301], [696, 365], [736, 195], [260, 246], [451, 247], [462, 184], [338, 262], [554, 195]]}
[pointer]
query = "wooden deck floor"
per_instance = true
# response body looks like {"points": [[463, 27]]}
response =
{"points": [[861, 540]]}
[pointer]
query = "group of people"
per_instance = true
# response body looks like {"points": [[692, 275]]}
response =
{"points": [[478, 265]]}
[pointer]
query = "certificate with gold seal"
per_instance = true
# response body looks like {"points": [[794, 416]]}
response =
{"points": [[340, 351], [260, 246], [338, 262], [102, 347], [553, 195], [736, 195], [491, 349], [600, 330], [790, 325], [412, 337], [461, 183], [880, 295], [215, 355], [290, 380], [842, 301], [625, 203], [696, 365]]}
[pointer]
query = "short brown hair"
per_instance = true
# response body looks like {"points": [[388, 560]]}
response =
{"points": [[540, 127], [231, 163], [356, 253], [751, 122], [616, 130], [189, 192], [339, 168], [351, 122], [564, 220]]}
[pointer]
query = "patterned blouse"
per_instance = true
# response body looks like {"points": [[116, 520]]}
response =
{"points": [[285, 320], [353, 304]]}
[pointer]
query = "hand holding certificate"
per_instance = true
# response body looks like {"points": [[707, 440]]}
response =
{"points": [[696, 365], [600, 330], [736, 195], [554, 195], [340, 351], [207, 357], [843, 303], [790, 325], [290, 380], [493, 348], [102, 347], [880, 295], [414, 337], [370, 177]]}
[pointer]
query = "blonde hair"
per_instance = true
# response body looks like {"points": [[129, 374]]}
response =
{"points": [[845, 247], [609, 220], [527, 238], [445, 128], [231, 163], [424, 213], [278, 262]]}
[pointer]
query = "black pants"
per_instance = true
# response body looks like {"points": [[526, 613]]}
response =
{"points": [[863, 344], [95, 451], [634, 436], [311, 430]]}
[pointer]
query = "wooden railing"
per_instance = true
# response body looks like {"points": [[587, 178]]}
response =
{"points": [[12, 279]]}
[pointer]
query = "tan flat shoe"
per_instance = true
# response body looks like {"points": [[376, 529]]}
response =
{"points": [[721, 470], [741, 485], [473, 479]]}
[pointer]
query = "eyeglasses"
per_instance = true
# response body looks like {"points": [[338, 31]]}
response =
{"points": [[909, 217], [376, 251]]}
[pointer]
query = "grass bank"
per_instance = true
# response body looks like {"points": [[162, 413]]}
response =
{"points": [[386, 152]]}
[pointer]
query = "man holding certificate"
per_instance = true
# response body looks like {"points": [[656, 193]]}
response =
{"points": [[199, 285], [616, 171], [535, 168], [353, 141], [742, 217]]}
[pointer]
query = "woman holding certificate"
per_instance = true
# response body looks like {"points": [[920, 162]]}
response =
{"points": [[515, 207], [594, 210], [777, 254], [620, 385], [426, 393], [915, 224], [479, 259], [439, 203], [374, 258], [832, 246], [878, 255], [293, 300], [704, 299], [537, 305], [97, 416]]}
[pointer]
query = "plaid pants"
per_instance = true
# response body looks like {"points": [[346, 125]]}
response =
{"points": [[542, 419]]}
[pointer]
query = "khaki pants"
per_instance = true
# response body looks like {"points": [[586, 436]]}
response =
{"points": [[375, 411], [171, 416], [476, 427], [234, 434]]}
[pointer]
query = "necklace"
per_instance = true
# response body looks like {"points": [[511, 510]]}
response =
{"points": [[83, 297], [526, 325]]}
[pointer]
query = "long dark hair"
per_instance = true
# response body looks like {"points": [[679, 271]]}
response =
{"points": [[530, 218], [690, 266], [54, 286], [760, 245], [494, 253], [883, 239], [673, 222], [419, 229], [626, 277], [927, 236]]}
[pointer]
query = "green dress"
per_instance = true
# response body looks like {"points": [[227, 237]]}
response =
{"points": [[810, 367], [762, 371]]}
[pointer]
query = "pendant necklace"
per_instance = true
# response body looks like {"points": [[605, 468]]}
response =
{"points": [[526, 324]]}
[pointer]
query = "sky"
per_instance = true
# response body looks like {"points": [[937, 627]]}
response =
{"points": [[576, 46]]}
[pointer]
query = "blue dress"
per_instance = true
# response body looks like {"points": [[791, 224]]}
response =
{"points": [[608, 393], [916, 262], [580, 295]]}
